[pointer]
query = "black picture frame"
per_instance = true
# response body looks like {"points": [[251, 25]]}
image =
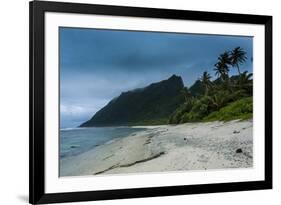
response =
{"points": [[37, 193]]}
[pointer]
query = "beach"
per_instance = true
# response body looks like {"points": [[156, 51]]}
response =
{"points": [[165, 148]]}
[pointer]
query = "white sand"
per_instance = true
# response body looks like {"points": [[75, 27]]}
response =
{"points": [[190, 146]]}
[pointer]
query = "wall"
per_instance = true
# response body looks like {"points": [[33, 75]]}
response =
{"points": [[14, 100]]}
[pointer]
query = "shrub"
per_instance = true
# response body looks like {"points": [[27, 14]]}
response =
{"points": [[176, 117], [240, 109]]}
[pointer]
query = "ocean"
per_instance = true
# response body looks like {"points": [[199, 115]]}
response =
{"points": [[75, 141]]}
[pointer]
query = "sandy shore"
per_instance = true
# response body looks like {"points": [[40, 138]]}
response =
{"points": [[190, 146]]}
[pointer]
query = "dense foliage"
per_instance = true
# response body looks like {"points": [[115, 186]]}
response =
{"points": [[221, 99], [240, 109]]}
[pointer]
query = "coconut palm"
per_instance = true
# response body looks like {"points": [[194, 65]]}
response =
{"points": [[219, 99], [222, 66], [245, 82], [238, 57], [219, 70], [205, 79]]}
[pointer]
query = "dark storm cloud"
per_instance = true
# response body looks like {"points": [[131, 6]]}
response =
{"points": [[97, 65]]}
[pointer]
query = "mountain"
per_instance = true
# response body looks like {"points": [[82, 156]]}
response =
{"points": [[197, 88], [149, 105]]}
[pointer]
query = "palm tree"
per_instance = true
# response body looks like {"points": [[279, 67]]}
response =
{"points": [[219, 99], [238, 56], [205, 79], [219, 70], [245, 82], [222, 66]]}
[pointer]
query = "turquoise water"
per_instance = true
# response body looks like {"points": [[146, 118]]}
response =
{"points": [[78, 140]]}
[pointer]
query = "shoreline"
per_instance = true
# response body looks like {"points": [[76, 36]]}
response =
{"points": [[189, 146]]}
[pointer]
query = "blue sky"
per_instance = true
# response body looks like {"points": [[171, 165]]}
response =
{"points": [[97, 65]]}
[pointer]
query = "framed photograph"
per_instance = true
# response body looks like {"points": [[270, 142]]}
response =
{"points": [[130, 102]]}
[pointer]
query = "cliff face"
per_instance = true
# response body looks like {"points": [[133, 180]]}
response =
{"points": [[150, 105]]}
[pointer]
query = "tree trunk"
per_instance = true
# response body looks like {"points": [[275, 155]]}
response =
{"points": [[206, 90], [238, 70]]}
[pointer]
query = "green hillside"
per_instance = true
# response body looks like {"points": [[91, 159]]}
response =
{"points": [[150, 105]]}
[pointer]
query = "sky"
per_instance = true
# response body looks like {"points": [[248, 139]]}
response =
{"points": [[97, 65]]}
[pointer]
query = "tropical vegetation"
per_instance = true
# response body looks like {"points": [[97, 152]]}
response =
{"points": [[225, 98]]}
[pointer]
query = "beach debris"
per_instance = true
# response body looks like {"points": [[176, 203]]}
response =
{"points": [[236, 132], [239, 150], [184, 138]]}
